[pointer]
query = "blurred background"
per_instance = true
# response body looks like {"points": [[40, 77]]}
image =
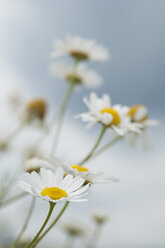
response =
{"points": [[134, 33]]}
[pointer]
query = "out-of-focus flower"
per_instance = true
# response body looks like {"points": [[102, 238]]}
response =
{"points": [[35, 164], [89, 78], [73, 228], [75, 170], [80, 49], [139, 113], [35, 110], [89, 177], [100, 216], [54, 187], [114, 117]]}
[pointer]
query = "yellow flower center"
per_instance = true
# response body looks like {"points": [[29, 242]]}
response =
{"points": [[133, 110], [79, 168], [74, 78], [79, 55], [54, 193], [114, 113]]}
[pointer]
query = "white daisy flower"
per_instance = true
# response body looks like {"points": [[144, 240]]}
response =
{"points": [[75, 170], [80, 49], [114, 117], [54, 187], [139, 114], [89, 78]]}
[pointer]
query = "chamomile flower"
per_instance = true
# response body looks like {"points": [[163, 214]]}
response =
{"points": [[83, 76], [81, 49], [114, 117], [75, 170], [54, 187], [84, 172], [139, 114]]}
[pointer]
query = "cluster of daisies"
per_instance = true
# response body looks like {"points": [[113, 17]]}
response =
{"points": [[121, 119], [49, 177], [55, 180], [52, 179]]}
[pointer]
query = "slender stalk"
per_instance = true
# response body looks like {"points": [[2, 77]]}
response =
{"points": [[62, 110], [95, 237], [105, 147], [16, 131], [61, 116], [52, 205], [13, 199], [12, 181], [69, 243], [25, 224], [50, 227], [89, 155]]}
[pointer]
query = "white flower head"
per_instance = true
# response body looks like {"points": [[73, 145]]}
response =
{"points": [[89, 78], [75, 170], [114, 117], [80, 49], [54, 186], [139, 114]]}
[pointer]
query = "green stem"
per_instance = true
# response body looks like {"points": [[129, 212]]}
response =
{"points": [[62, 110], [13, 199], [61, 116], [95, 237], [25, 224], [69, 243], [105, 147], [53, 223], [52, 205], [89, 155], [17, 130]]}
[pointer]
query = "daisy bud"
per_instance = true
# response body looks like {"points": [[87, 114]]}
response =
{"points": [[36, 109], [100, 217], [3, 145], [74, 229]]}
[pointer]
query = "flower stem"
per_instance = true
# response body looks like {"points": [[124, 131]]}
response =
{"points": [[52, 205], [61, 113], [12, 199], [89, 155], [105, 147], [69, 243], [53, 223], [61, 116], [95, 237], [16, 131], [25, 224]]}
